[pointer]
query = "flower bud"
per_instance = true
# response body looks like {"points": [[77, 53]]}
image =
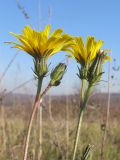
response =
{"points": [[95, 69], [57, 74]]}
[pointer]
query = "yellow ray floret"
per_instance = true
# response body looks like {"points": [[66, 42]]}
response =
{"points": [[39, 44], [84, 53]]}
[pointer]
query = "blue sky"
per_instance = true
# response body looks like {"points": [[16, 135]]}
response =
{"points": [[77, 17]]}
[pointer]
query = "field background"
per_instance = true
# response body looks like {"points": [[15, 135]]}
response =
{"points": [[60, 116], [60, 113]]}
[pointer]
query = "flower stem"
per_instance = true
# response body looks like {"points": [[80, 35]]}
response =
{"points": [[35, 105], [77, 134], [40, 139], [82, 89], [84, 100]]}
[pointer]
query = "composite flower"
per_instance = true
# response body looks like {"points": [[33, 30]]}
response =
{"points": [[40, 43], [84, 53]]}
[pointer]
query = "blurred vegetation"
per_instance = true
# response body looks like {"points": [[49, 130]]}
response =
{"points": [[14, 120]]}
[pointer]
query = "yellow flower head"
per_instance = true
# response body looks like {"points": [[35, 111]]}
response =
{"points": [[40, 43], [85, 53]]}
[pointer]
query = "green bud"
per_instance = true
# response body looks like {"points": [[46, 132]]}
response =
{"points": [[95, 69], [57, 74], [40, 67]]}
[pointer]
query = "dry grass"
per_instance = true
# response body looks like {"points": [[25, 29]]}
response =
{"points": [[14, 120]]}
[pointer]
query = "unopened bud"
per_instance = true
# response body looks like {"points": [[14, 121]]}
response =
{"points": [[95, 70], [57, 74]]}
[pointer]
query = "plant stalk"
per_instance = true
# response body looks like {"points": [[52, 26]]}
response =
{"points": [[104, 134], [67, 127], [40, 133], [84, 100], [35, 105]]}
